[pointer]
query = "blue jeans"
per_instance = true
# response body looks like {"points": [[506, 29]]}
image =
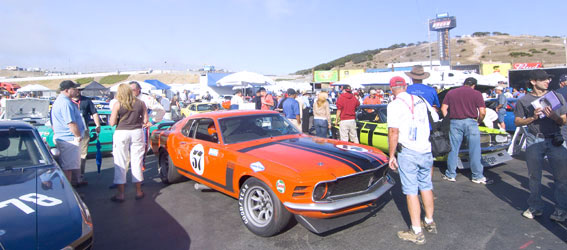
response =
{"points": [[536, 150], [321, 128], [415, 171], [465, 128]]}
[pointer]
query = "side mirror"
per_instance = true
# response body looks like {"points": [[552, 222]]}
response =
{"points": [[215, 137], [93, 137]]}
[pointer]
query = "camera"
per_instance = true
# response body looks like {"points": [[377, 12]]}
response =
{"points": [[557, 140]]}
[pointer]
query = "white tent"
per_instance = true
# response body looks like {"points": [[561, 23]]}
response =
{"points": [[146, 87], [245, 78], [380, 78], [33, 87]]}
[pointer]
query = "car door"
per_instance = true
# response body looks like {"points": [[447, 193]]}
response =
{"points": [[205, 155]]}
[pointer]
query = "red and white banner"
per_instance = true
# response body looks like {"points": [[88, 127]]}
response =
{"points": [[527, 66]]}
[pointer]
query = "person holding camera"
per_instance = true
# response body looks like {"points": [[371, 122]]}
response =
{"points": [[543, 138]]}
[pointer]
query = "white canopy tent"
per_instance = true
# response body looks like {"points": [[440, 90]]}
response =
{"points": [[146, 87], [244, 78], [33, 87]]}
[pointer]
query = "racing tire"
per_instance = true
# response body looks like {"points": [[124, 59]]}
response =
{"points": [[167, 171], [260, 209]]}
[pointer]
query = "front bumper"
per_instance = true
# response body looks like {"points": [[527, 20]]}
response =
{"points": [[373, 193]]}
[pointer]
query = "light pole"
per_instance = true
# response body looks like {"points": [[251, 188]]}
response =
{"points": [[429, 41], [565, 45]]}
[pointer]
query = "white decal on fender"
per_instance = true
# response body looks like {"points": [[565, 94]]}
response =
{"points": [[352, 148], [197, 158], [280, 186], [36, 198], [257, 166]]}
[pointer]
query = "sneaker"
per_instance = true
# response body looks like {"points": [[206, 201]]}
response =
{"points": [[482, 180], [411, 236], [449, 178], [559, 215], [532, 213], [430, 228]]}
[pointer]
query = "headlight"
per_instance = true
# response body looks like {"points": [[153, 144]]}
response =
{"points": [[502, 138], [323, 190]]}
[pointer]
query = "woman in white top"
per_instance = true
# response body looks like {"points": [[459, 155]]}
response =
{"points": [[322, 115], [236, 100]]}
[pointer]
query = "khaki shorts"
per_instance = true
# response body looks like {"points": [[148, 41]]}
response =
{"points": [[69, 156]]}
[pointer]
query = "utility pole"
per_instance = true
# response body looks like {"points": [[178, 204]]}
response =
{"points": [[565, 45], [429, 41]]}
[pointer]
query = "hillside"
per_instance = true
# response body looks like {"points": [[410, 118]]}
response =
{"points": [[168, 78], [464, 50]]}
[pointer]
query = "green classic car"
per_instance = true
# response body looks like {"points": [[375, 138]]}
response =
{"points": [[373, 131], [105, 136]]}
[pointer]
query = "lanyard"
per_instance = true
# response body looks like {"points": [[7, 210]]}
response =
{"points": [[411, 108]]}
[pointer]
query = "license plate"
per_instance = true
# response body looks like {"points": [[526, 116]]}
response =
{"points": [[492, 159]]}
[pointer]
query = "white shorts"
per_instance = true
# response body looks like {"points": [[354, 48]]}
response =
{"points": [[69, 154], [128, 147]]}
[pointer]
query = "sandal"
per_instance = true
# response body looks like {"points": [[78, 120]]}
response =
{"points": [[139, 197], [116, 199]]}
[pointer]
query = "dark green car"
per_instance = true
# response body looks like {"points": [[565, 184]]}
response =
{"points": [[373, 131]]}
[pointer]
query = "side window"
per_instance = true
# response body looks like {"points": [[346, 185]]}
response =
{"points": [[189, 129], [193, 108], [203, 128], [382, 114]]}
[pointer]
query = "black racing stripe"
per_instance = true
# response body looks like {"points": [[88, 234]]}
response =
{"points": [[350, 164], [244, 150], [229, 174], [371, 128], [361, 160], [374, 157]]}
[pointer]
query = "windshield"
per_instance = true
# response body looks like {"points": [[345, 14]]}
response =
{"points": [[252, 127], [21, 148], [207, 107]]}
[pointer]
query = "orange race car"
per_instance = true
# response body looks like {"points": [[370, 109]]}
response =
{"points": [[275, 171]]}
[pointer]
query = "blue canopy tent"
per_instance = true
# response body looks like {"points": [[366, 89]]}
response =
{"points": [[158, 84]]}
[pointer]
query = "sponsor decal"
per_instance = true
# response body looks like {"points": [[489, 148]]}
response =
{"points": [[197, 158], [527, 65], [352, 148], [280, 186], [213, 151], [257, 166]]}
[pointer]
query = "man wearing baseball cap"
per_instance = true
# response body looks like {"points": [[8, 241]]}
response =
{"points": [[466, 108], [543, 139], [417, 75], [346, 113], [501, 108], [68, 128], [408, 135]]}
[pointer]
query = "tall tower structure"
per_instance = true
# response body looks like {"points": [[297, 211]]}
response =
{"points": [[442, 24]]}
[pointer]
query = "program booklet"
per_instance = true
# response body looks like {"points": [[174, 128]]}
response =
{"points": [[547, 100]]}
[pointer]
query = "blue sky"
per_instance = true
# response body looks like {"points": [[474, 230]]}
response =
{"points": [[265, 36]]}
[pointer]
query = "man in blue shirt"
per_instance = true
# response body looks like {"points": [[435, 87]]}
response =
{"points": [[68, 128], [291, 108], [501, 108], [417, 75]]}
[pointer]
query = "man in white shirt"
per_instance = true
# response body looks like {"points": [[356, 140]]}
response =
{"points": [[408, 135], [236, 101], [155, 110]]}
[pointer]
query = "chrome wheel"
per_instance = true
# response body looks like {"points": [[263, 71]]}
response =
{"points": [[259, 206]]}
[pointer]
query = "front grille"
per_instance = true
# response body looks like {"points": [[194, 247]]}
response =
{"points": [[355, 183], [489, 140]]}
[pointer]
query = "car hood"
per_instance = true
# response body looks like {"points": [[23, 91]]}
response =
{"points": [[313, 156], [51, 219]]}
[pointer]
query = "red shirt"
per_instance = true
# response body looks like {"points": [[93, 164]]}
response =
{"points": [[267, 99], [347, 104], [464, 102], [372, 100]]}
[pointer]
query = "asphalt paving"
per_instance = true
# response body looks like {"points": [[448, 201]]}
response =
{"points": [[468, 216]]}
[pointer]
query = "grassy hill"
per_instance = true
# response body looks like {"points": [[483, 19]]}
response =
{"points": [[464, 50]]}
